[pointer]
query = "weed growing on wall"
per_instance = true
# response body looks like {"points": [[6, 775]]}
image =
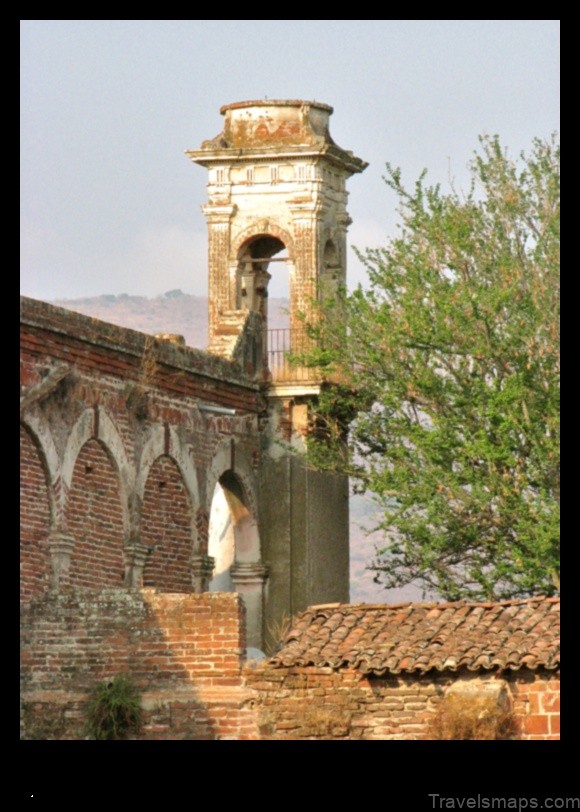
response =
{"points": [[114, 709]]}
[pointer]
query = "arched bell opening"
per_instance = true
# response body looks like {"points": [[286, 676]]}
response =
{"points": [[264, 287], [259, 278]]}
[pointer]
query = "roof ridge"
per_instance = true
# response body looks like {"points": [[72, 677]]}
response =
{"points": [[435, 604]]}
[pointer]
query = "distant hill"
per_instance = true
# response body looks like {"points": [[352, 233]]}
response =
{"points": [[171, 312], [182, 313]]}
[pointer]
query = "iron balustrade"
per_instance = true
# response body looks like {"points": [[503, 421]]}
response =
{"points": [[283, 342]]}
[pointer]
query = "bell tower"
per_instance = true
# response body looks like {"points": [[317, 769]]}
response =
{"points": [[277, 194], [276, 185]]}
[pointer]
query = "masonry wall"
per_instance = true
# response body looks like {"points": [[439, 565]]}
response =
{"points": [[323, 703], [34, 506], [536, 703], [118, 469], [120, 460], [184, 653], [305, 524], [167, 522], [95, 519], [118, 463]]}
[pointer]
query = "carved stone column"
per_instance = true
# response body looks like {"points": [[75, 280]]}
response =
{"points": [[135, 555], [202, 529], [60, 545], [249, 581], [202, 567]]}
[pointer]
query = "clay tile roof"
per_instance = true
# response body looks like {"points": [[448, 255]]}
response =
{"points": [[420, 637]]}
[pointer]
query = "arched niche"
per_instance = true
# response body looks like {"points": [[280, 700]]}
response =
{"points": [[95, 518], [165, 441], [35, 516], [97, 424], [331, 276], [234, 545], [233, 531], [167, 528]]}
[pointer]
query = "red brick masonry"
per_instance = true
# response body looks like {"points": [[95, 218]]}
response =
{"points": [[186, 654], [380, 672], [118, 469]]}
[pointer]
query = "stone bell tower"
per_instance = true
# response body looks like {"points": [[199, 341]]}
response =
{"points": [[276, 182], [276, 192]]}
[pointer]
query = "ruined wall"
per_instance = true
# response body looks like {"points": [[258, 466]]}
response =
{"points": [[304, 516], [34, 506], [184, 653], [167, 519], [119, 465], [118, 462], [323, 703], [305, 524], [95, 519]]}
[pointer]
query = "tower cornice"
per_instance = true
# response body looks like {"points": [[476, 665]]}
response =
{"points": [[330, 153]]}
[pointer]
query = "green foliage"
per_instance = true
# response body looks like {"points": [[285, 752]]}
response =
{"points": [[114, 709], [450, 362]]}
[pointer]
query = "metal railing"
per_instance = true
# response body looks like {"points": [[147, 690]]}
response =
{"points": [[283, 342]]}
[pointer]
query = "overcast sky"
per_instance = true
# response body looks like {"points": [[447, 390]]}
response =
{"points": [[110, 203]]}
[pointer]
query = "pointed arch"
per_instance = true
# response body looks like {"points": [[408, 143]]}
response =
{"points": [[168, 529], [36, 514], [167, 491], [41, 435], [234, 537], [97, 424], [240, 462], [94, 518], [164, 441]]}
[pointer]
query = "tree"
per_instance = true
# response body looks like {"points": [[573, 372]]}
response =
{"points": [[448, 366]]}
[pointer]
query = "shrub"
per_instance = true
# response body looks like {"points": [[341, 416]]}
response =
{"points": [[114, 709], [472, 717]]}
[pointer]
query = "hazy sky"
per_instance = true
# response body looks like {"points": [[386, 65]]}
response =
{"points": [[110, 203]]}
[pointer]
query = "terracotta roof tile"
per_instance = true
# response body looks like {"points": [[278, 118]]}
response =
{"points": [[419, 637]]}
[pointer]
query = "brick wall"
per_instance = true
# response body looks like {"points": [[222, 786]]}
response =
{"points": [[95, 520], [127, 409], [167, 529], [536, 699], [184, 653], [91, 345], [34, 520], [120, 440], [322, 703], [129, 449]]}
